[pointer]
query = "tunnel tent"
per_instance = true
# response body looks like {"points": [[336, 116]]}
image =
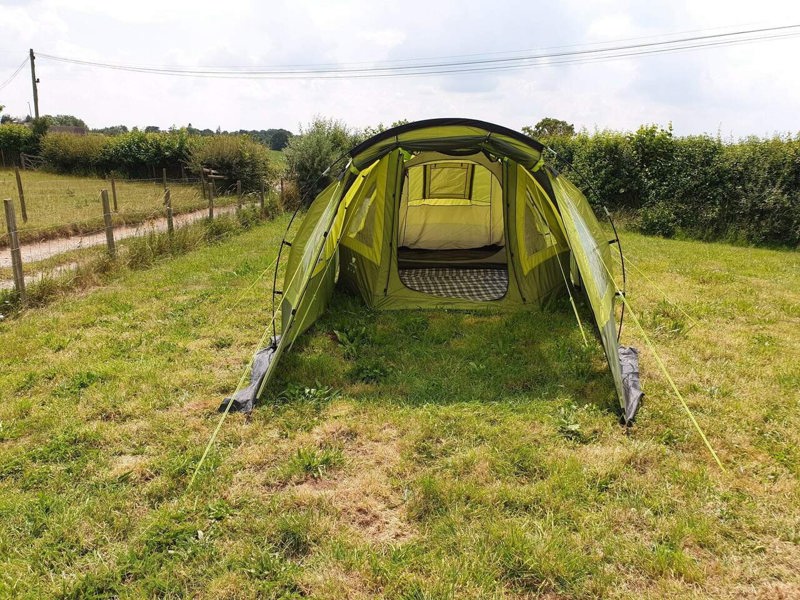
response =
{"points": [[448, 213]]}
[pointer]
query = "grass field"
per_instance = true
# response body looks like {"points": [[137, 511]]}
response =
{"points": [[60, 205], [418, 455]]}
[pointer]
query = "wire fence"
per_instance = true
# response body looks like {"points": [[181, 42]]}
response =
{"points": [[55, 225]]}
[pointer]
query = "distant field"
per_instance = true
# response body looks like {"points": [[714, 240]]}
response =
{"points": [[61, 205], [416, 454]]}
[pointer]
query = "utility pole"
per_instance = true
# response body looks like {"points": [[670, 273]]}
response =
{"points": [[35, 81]]}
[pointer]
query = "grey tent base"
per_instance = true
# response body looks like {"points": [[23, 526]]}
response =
{"points": [[245, 399], [629, 361]]}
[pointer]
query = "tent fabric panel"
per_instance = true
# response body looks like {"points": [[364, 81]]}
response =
{"points": [[452, 122], [451, 222], [538, 228], [358, 274], [449, 227], [306, 246], [363, 229], [593, 258], [304, 293], [450, 135], [485, 187], [590, 249], [315, 300]]}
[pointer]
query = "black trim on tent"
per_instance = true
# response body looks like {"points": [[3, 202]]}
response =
{"points": [[427, 123]]}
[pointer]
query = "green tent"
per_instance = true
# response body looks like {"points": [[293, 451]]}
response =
{"points": [[448, 213]]}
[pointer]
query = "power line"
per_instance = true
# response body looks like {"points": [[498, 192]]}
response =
{"points": [[14, 74], [443, 67]]}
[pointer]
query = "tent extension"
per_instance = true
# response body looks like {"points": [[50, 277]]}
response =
{"points": [[448, 213]]}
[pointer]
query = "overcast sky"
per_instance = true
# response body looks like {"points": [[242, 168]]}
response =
{"points": [[736, 91]]}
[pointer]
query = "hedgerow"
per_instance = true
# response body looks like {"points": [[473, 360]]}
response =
{"points": [[697, 186], [137, 154]]}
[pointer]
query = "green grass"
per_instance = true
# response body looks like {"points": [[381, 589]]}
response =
{"points": [[402, 454], [60, 205]]}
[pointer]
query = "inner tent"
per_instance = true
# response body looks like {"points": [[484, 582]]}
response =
{"points": [[451, 234]]}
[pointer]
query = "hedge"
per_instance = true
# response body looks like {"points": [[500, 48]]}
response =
{"points": [[697, 186], [142, 155]]}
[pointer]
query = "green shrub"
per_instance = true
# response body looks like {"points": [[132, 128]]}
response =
{"points": [[694, 186], [139, 154], [310, 154], [15, 139], [79, 154], [237, 157]]}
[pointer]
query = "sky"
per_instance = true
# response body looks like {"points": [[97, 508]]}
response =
{"points": [[734, 91]]}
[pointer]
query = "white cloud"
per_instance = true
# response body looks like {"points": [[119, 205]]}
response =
{"points": [[740, 90]]}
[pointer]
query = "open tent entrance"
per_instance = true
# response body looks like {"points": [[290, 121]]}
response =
{"points": [[451, 231]]}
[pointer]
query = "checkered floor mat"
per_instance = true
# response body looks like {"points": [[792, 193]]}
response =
{"points": [[481, 285]]}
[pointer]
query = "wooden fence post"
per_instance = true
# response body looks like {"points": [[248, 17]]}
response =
{"points": [[21, 196], [202, 183], [3, 156], [261, 196], [16, 256], [164, 177], [168, 204], [114, 194], [238, 195], [183, 174], [112, 249], [211, 199]]}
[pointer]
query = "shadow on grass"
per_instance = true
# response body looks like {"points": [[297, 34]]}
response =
{"points": [[422, 357]]}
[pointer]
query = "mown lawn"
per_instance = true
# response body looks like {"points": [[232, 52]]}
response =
{"points": [[414, 454], [60, 205]]}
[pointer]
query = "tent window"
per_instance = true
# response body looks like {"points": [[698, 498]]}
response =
{"points": [[448, 180]]}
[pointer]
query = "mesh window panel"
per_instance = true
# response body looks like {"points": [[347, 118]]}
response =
{"points": [[448, 180]]}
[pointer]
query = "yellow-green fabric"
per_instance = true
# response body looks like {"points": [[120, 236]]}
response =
{"points": [[450, 204], [592, 255], [538, 231], [446, 137], [363, 229], [449, 186], [590, 248]]}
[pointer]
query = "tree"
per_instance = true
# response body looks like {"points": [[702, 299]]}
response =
{"points": [[311, 153], [279, 138], [112, 130], [549, 127], [152, 129], [66, 120]]}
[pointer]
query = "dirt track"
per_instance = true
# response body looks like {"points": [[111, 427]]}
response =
{"points": [[42, 250]]}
